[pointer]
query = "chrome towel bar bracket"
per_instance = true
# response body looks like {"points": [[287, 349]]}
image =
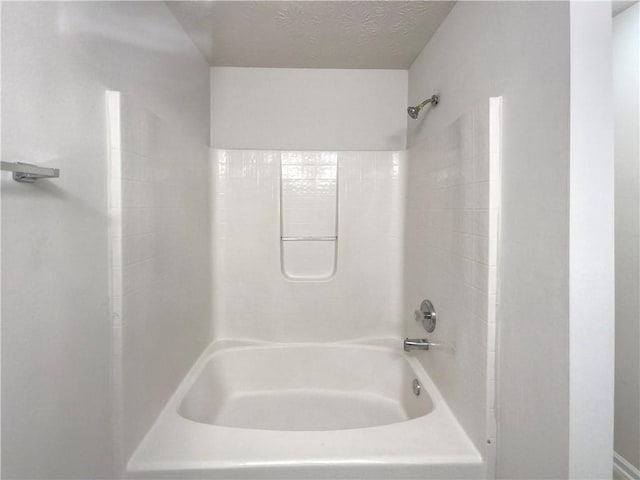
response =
{"points": [[321, 238], [27, 172]]}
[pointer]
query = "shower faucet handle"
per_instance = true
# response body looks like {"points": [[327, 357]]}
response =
{"points": [[427, 315]]}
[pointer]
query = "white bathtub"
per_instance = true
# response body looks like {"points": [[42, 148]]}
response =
{"points": [[249, 410]]}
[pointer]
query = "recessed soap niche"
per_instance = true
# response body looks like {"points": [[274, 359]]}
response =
{"points": [[308, 215]]}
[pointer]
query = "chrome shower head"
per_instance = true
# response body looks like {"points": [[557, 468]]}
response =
{"points": [[414, 111]]}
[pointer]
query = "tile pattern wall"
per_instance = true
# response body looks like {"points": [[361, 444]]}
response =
{"points": [[309, 193], [308, 208], [450, 258], [159, 230], [252, 297]]}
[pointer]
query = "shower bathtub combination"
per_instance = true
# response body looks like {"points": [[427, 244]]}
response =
{"points": [[341, 410], [289, 388]]}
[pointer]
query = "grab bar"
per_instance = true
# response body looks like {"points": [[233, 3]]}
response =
{"points": [[27, 172], [325, 238]]}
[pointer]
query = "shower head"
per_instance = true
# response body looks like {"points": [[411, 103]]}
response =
{"points": [[414, 111]]}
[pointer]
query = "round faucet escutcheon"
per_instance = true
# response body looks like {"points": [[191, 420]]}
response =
{"points": [[427, 315]]}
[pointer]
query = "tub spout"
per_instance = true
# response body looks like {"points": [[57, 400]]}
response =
{"points": [[416, 344]]}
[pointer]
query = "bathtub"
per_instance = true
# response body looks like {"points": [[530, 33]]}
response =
{"points": [[347, 410]]}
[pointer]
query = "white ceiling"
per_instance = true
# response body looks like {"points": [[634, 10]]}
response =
{"points": [[311, 34]]}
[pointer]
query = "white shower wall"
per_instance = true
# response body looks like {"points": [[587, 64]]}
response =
{"points": [[450, 258], [253, 299], [159, 250]]}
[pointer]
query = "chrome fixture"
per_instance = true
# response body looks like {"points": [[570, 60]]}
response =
{"points": [[27, 172], [414, 111], [416, 344], [416, 387], [427, 314]]}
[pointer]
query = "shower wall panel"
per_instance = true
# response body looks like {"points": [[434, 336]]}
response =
{"points": [[451, 250], [159, 228], [253, 298]]}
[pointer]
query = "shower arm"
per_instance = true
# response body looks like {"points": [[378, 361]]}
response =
{"points": [[434, 99]]}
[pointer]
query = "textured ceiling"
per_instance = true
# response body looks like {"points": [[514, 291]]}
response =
{"points": [[311, 34]]}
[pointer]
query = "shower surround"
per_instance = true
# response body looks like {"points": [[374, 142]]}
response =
{"points": [[292, 355], [306, 267]]}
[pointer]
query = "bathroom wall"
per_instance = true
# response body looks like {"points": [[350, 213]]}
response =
{"points": [[450, 258], [626, 78], [252, 297], [467, 61], [308, 109], [591, 276], [58, 60], [160, 257]]}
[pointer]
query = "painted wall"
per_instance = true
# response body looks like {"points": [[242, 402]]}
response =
{"points": [[591, 250], [450, 258], [252, 297], [160, 290], [626, 82], [58, 60], [467, 61], [308, 109]]}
